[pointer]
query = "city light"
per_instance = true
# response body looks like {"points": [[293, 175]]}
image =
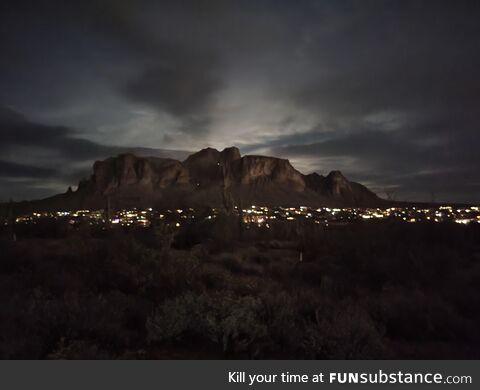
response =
{"points": [[264, 216]]}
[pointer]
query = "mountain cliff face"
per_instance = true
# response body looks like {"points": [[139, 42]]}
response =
{"points": [[206, 178], [148, 174]]}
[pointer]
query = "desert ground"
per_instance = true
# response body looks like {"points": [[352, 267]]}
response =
{"points": [[367, 290]]}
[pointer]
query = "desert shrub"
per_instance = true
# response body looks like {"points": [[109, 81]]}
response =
{"points": [[420, 316], [172, 319], [193, 233], [103, 317], [237, 264], [30, 323], [282, 318], [212, 277], [342, 330], [309, 272], [172, 275], [233, 322], [77, 349], [244, 328], [225, 231]]}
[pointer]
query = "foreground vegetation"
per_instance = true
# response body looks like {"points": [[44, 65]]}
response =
{"points": [[367, 290]]}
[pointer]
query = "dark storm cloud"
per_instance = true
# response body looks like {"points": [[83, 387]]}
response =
{"points": [[395, 55], [414, 167], [10, 169], [416, 60], [388, 91], [396, 86], [80, 44], [16, 132], [45, 159], [172, 77], [183, 89]]}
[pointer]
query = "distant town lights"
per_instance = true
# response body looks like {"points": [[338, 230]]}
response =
{"points": [[261, 215]]}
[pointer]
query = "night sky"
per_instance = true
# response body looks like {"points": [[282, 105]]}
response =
{"points": [[388, 92]]}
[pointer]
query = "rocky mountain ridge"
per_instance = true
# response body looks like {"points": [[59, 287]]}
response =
{"points": [[209, 178]]}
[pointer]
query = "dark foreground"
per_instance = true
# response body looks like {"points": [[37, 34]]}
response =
{"points": [[363, 291]]}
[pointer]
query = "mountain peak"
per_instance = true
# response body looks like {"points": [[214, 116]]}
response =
{"points": [[213, 155], [315, 175], [338, 185], [336, 175], [205, 152], [230, 154]]}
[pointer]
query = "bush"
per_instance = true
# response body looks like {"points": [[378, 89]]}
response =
{"points": [[235, 323]]}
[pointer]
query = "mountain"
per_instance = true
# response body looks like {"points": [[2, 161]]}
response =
{"points": [[207, 178]]}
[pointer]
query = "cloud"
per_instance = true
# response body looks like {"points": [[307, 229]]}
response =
{"points": [[183, 87], [10, 169], [43, 159], [388, 91], [395, 159]]}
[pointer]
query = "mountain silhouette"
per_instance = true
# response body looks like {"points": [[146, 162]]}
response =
{"points": [[208, 178]]}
